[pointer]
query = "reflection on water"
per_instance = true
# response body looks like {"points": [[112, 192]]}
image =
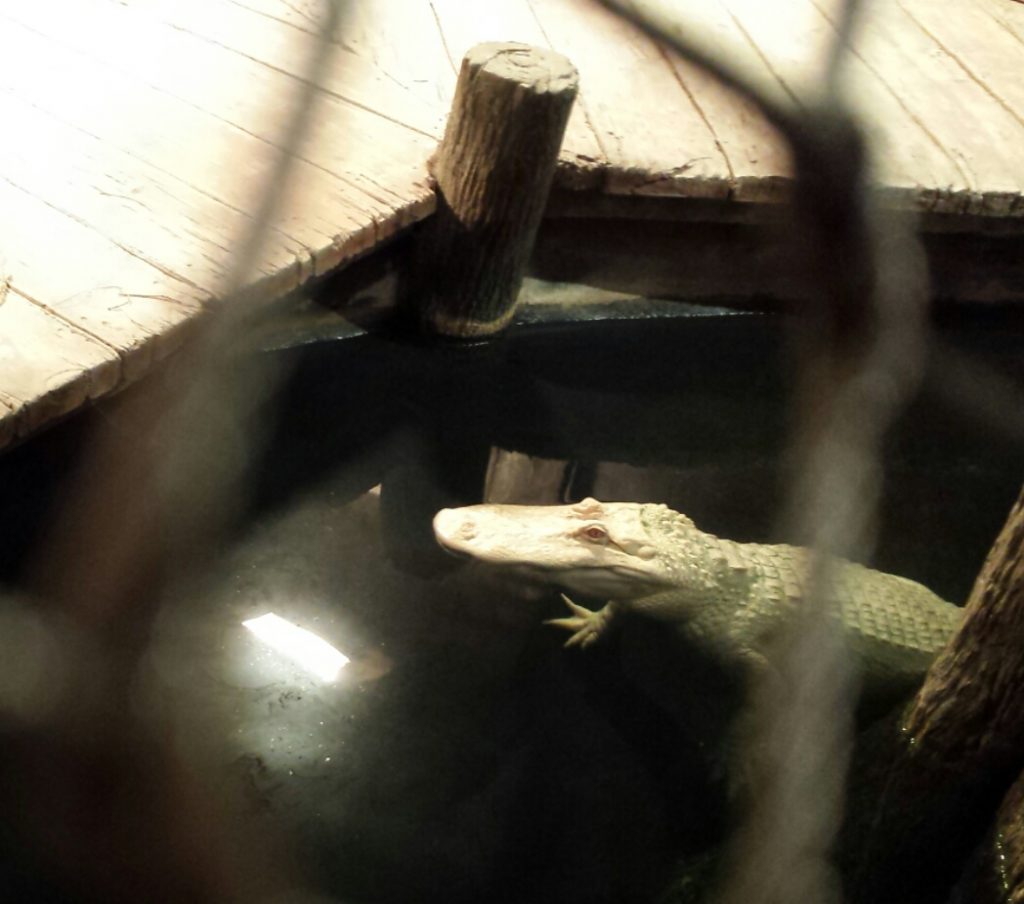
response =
{"points": [[298, 645]]}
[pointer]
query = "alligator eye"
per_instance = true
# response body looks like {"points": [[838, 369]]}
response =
{"points": [[595, 532]]}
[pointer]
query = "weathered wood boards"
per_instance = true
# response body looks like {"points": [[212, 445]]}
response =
{"points": [[72, 367], [137, 134], [136, 150]]}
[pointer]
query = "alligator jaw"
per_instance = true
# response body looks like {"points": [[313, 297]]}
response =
{"points": [[453, 531], [597, 549], [492, 534]]}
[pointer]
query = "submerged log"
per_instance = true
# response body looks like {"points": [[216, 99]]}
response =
{"points": [[493, 170], [924, 785]]}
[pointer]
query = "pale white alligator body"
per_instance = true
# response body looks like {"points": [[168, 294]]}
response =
{"points": [[731, 598]]}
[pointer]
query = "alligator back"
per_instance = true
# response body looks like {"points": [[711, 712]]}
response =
{"points": [[893, 626]]}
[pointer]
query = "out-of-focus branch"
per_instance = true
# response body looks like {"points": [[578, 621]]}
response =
{"points": [[105, 788], [663, 26], [850, 14], [861, 347], [166, 469]]}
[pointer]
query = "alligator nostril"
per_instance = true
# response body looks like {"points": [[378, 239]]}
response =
{"points": [[588, 507], [467, 531]]}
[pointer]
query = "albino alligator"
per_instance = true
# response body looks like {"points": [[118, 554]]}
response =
{"points": [[730, 598]]}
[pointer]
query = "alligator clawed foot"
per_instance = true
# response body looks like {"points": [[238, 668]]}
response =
{"points": [[587, 626]]}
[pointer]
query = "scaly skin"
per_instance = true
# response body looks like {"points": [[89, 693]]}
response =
{"points": [[731, 598]]}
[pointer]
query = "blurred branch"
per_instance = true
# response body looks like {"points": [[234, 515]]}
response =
{"points": [[166, 471], [660, 24], [850, 15], [104, 786], [862, 350]]}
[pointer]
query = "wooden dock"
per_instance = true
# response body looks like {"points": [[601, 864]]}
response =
{"points": [[138, 134]]}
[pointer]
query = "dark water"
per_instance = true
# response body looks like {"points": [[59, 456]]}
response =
{"points": [[464, 754]]}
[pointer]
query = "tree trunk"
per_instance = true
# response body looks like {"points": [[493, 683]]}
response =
{"points": [[925, 784]]}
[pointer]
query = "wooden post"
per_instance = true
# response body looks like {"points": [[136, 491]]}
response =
{"points": [[924, 788], [493, 170]]}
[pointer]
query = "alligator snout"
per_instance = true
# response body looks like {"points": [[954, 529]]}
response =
{"points": [[453, 527]]}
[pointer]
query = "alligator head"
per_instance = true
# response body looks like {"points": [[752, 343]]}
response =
{"points": [[592, 548]]}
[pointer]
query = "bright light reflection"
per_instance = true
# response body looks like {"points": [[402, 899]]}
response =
{"points": [[302, 647]]}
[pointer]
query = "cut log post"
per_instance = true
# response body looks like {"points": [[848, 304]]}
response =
{"points": [[493, 170], [924, 787]]}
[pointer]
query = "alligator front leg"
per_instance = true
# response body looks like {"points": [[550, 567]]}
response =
{"points": [[587, 626]]}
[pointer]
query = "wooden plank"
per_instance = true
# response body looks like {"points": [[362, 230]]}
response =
{"points": [[514, 20], [104, 290], [381, 159], [625, 78], [399, 39], [977, 133], [758, 158], [502, 20], [101, 210], [47, 367], [1009, 17], [985, 49], [390, 58], [791, 38], [908, 161], [380, 162], [177, 150], [138, 207]]}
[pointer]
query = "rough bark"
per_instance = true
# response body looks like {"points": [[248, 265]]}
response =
{"points": [[971, 707], [493, 171]]}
